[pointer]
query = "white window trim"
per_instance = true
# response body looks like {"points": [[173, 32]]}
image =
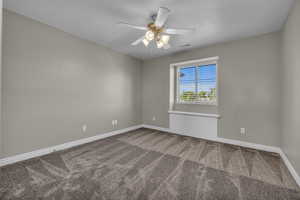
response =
{"points": [[205, 61]]}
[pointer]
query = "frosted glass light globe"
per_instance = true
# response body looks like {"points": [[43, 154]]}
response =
{"points": [[149, 35]]}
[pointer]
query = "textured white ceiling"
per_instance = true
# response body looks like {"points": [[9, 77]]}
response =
{"points": [[214, 20]]}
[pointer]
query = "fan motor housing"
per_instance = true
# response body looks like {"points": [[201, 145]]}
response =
{"points": [[155, 29]]}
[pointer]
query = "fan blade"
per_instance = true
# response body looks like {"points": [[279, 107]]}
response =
{"points": [[173, 31], [138, 41], [162, 16], [133, 26]]}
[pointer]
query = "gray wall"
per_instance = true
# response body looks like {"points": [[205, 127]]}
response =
{"points": [[291, 87], [53, 83], [1, 142], [248, 88]]}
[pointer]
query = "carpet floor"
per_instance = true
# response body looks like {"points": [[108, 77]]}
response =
{"points": [[150, 165]]}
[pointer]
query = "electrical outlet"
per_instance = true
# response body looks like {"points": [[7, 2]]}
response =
{"points": [[243, 131], [84, 127], [114, 123], [153, 118]]}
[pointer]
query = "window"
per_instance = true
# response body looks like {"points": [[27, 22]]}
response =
{"points": [[197, 83]]}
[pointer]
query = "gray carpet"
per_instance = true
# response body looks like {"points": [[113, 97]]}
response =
{"points": [[150, 165]]}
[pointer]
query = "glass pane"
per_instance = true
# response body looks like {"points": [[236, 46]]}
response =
{"points": [[187, 84], [206, 82]]}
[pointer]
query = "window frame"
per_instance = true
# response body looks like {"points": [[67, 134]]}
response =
{"points": [[196, 63]]}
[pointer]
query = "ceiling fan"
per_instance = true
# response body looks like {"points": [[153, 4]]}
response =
{"points": [[156, 30]]}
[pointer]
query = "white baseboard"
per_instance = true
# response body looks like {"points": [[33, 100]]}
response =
{"points": [[45, 151], [157, 128], [290, 167], [249, 145], [223, 140], [243, 144]]}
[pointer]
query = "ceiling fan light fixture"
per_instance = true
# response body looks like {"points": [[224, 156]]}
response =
{"points": [[162, 41], [159, 44], [165, 39], [156, 30], [150, 35], [146, 42]]}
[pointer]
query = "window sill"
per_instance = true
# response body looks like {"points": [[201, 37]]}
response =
{"points": [[195, 114], [198, 103]]}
